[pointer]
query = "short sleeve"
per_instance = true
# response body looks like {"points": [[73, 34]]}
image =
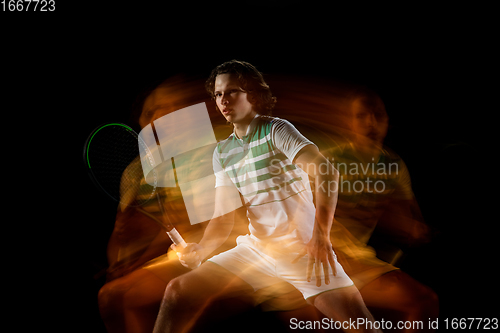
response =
{"points": [[287, 138], [221, 178]]}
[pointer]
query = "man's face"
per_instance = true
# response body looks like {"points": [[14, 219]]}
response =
{"points": [[370, 126], [234, 103], [161, 101]]}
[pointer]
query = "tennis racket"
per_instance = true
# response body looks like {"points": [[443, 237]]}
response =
{"points": [[112, 155]]}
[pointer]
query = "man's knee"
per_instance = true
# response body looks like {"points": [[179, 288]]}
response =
{"points": [[413, 296], [176, 292], [110, 296]]}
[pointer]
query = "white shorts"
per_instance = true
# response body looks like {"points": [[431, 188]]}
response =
{"points": [[262, 266]]}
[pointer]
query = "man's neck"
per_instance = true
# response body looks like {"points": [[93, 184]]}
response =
{"points": [[241, 128], [368, 151]]}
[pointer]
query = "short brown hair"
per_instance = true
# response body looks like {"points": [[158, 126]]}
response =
{"points": [[250, 80]]}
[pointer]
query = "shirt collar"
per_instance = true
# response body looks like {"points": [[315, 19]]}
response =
{"points": [[250, 127]]}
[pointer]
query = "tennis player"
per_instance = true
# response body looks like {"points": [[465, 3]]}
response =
{"points": [[289, 236]]}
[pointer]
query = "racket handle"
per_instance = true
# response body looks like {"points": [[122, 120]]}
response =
{"points": [[176, 238]]}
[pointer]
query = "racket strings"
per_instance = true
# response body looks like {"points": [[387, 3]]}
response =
{"points": [[116, 166], [113, 154]]}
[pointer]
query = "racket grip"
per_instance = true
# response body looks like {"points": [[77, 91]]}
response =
{"points": [[176, 238]]}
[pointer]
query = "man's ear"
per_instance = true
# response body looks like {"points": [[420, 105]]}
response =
{"points": [[251, 98]]}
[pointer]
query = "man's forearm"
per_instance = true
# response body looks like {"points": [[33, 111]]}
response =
{"points": [[216, 233], [326, 186], [326, 201]]}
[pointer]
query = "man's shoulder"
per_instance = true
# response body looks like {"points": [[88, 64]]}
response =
{"points": [[226, 144], [268, 120], [390, 156]]}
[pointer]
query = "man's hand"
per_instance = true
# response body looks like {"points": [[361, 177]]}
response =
{"points": [[320, 253], [189, 256]]}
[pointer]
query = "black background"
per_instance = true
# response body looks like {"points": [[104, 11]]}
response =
{"points": [[85, 64]]}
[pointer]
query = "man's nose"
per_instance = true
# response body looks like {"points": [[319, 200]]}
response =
{"points": [[224, 99], [372, 121]]}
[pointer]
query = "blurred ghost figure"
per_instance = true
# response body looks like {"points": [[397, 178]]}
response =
{"points": [[375, 190], [139, 265]]}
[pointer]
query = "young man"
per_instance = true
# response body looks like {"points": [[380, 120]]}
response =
{"points": [[289, 237]]}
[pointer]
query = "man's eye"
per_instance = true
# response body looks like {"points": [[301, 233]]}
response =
{"points": [[149, 113]]}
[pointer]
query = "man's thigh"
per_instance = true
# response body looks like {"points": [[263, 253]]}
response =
{"points": [[394, 290], [248, 263], [211, 281], [295, 274]]}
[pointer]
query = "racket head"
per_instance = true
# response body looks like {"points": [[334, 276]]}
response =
{"points": [[112, 155]]}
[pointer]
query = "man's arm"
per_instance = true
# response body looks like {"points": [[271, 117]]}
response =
{"points": [[217, 230], [403, 221], [402, 218], [326, 179], [221, 224]]}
